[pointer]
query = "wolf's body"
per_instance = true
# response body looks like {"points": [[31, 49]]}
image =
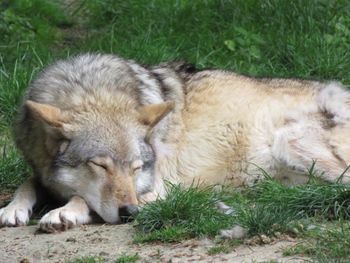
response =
{"points": [[103, 133]]}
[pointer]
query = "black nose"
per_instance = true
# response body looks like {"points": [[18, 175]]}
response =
{"points": [[128, 212]]}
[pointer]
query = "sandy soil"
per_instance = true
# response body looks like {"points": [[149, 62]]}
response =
{"points": [[25, 244]]}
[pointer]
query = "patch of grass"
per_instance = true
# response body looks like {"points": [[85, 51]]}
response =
{"points": [[268, 198], [124, 258], [168, 234], [13, 81], [87, 259], [329, 243], [13, 169], [266, 208], [29, 24], [259, 219], [280, 38], [225, 246], [219, 249], [184, 213], [330, 200]]}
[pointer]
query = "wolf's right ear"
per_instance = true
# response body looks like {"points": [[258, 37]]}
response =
{"points": [[49, 114], [152, 114]]}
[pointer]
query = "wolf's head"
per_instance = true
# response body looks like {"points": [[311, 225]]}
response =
{"points": [[100, 150]]}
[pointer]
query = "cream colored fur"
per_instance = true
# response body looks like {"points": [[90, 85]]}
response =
{"points": [[103, 133], [234, 125]]}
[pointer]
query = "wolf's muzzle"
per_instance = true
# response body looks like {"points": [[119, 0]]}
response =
{"points": [[128, 212]]}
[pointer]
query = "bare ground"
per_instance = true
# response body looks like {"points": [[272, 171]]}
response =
{"points": [[24, 244]]}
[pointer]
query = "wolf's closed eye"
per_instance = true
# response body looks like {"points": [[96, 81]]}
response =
{"points": [[137, 166], [103, 162], [100, 165]]}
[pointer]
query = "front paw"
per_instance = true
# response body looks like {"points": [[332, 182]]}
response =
{"points": [[61, 219], [14, 214]]}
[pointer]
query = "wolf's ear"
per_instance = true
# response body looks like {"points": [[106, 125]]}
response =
{"points": [[152, 114], [50, 114]]}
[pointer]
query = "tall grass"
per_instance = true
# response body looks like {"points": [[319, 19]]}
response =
{"points": [[328, 245], [265, 209], [183, 214]]}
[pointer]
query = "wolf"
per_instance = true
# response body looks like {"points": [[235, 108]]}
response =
{"points": [[104, 134]]}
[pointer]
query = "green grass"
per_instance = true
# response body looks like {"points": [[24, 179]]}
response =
{"points": [[13, 169], [316, 213], [124, 258], [328, 243], [331, 200], [224, 247], [183, 214], [275, 38], [87, 259], [308, 39], [266, 208]]}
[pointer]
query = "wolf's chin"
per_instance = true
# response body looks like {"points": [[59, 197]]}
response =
{"points": [[108, 211], [109, 214]]}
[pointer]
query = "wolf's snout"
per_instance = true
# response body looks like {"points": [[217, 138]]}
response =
{"points": [[128, 210]]}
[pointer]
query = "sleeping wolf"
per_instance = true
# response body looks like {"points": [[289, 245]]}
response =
{"points": [[103, 134]]}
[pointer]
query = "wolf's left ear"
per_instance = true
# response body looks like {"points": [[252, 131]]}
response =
{"points": [[49, 114], [152, 114]]}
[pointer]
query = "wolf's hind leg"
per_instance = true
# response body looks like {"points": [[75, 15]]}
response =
{"points": [[75, 212], [296, 146], [322, 137], [19, 210]]}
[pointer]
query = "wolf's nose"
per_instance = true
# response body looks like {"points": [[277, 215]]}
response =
{"points": [[128, 210]]}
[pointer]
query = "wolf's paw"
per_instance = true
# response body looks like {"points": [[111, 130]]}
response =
{"points": [[14, 214], [63, 218]]}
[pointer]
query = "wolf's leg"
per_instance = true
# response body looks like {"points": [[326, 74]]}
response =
{"points": [[18, 211], [322, 137], [296, 146], [75, 212]]}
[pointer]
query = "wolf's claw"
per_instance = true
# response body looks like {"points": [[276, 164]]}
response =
{"points": [[61, 219], [14, 215]]}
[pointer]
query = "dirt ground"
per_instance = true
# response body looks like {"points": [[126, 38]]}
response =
{"points": [[24, 244]]}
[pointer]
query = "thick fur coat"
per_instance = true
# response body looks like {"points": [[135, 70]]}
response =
{"points": [[103, 134]]}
